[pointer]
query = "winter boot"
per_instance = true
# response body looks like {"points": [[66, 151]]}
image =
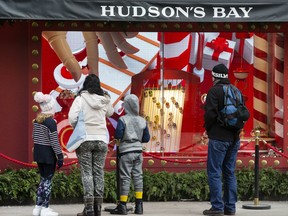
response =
{"points": [[121, 209], [82, 213], [98, 205], [89, 207], [139, 206]]}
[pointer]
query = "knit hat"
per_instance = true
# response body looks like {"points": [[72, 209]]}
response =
{"points": [[220, 71], [46, 102]]}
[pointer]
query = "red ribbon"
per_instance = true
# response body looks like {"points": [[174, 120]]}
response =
{"points": [[219, 45], [242, 36]]}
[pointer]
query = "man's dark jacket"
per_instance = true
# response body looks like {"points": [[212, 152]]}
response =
{"points": [[214, 103]]}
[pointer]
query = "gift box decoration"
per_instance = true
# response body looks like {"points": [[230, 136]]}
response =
{"points": [[244, 45], [218, 50]]}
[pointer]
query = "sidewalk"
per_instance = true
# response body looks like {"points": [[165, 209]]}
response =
{"points": [[158, 209]]}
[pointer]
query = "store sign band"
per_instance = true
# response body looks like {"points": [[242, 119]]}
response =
{"points": [[172, 11], [168, 12]]}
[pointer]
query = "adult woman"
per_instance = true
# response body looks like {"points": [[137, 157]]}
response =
{"points": [[91, 154]]}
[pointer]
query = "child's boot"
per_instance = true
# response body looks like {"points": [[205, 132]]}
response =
{"points": [[121, 209], [139, 206]]}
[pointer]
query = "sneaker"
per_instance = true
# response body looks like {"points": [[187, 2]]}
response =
{"points": [[213, 212], [48, 212], [37, 210]]}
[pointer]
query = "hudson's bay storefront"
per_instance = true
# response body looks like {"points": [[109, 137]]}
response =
{"points": [[161, 51]]}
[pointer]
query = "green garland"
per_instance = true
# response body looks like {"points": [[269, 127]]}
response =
{"points": [[19, 186]]}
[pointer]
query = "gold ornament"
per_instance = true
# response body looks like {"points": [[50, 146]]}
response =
{"points": [[177, 105], [251, 162], [276, 162], [167, 105], [239, 162], [158, 105], [150, 162], [264, 162], [112, 162], [173, 100], [35, 108], [35, 80]]}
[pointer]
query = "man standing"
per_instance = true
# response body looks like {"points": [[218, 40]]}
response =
{"points": [[223, 146]]}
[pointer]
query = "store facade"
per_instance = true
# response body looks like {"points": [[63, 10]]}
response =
{"points": [[165, 55]]}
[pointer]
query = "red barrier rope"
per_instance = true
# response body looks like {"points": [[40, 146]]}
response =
{"points": [[187, 147], [276, 150], [244, 145], [18, 162], [69, 164], [173, 161], [32, 165]]}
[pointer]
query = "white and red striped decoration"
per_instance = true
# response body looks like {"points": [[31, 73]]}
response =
{"points": [[279, 85], [260, 104], [176, 50]]}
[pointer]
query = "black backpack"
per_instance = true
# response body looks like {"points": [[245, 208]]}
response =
{"points": [[234, 114]]}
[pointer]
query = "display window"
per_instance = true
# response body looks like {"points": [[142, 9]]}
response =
{"points": [[170, 72], [161, 51]]}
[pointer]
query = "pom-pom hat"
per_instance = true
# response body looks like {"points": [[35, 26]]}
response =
{"points": [[46, 102], [220, 71]]}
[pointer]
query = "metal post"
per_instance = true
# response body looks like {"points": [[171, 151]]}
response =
{"points": [[256, 204], [162, 55]]}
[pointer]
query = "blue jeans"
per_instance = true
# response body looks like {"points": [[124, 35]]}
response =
{"points": [[221, 162]]}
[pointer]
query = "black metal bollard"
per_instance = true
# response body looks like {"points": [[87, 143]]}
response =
{"points": [[256, 204]]}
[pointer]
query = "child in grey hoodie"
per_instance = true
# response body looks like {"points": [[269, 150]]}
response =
{"points": [[131, 131]]}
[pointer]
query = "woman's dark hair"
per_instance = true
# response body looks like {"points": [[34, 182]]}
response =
{"points": [[92, 85]]}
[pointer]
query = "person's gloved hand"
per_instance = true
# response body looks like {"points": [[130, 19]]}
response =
{"points": [[60, 163]]}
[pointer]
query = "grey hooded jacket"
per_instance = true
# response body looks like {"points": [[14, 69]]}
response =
{"points": [[131, 129]]}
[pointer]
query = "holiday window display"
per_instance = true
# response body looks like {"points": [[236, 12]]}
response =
{"points": [[250, 70], [241, 57], [163, 113], [169, 107], [218, 50], [115, 80]]}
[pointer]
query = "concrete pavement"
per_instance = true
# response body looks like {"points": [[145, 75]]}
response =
{"points": [[190, 208]]}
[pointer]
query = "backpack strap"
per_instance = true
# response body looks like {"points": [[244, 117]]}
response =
{"points": [[236, 102]]}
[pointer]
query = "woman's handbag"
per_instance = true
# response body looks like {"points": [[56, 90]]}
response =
{"points": [[78, 135]]}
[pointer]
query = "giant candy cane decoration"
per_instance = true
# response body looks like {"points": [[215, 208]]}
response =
{"points": [[260, 81], [176, 50], [279, 83]]}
